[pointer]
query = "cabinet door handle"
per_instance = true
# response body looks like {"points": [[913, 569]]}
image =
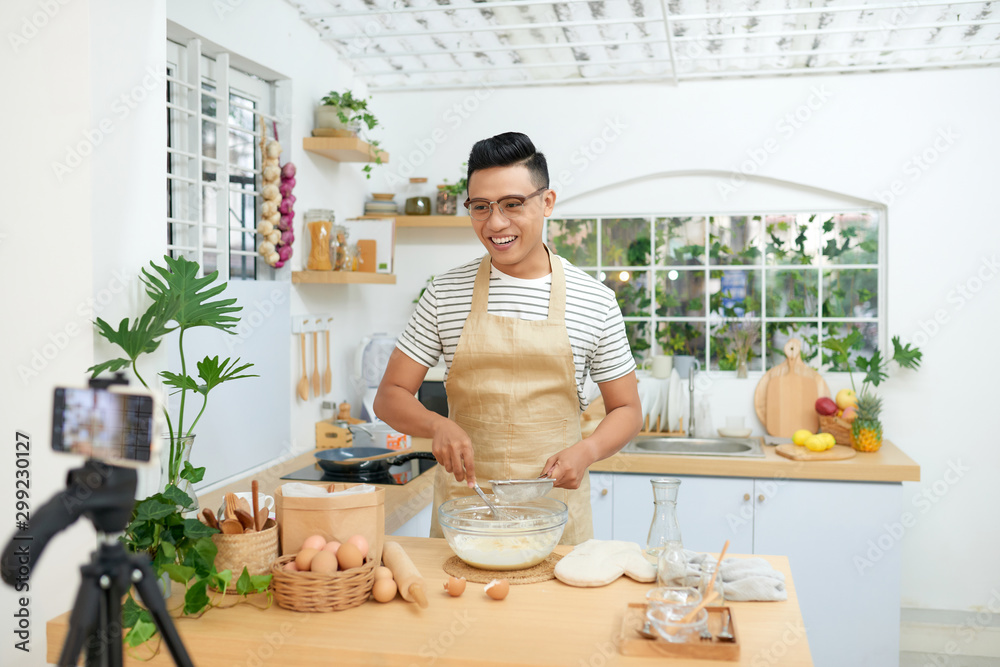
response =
{"points": [[604, 492], [746, 496], [760, 498]]}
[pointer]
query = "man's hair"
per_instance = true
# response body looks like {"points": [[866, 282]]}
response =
{"points": [[507, 150]]}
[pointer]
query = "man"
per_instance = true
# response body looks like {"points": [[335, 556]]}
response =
{"points": [[520, 330]]}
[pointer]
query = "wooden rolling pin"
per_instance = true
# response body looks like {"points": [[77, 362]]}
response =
{"points": [[411, 585]]}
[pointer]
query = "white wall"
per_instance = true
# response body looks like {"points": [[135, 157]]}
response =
{"points": [[856, 136]]}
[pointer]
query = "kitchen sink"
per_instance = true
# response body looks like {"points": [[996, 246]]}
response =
{"points": [[733, 447]]}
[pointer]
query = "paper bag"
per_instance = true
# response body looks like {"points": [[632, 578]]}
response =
{"points": [[335, 518]]}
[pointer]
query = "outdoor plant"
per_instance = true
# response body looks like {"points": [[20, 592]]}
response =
{"points": [[353, 112]]}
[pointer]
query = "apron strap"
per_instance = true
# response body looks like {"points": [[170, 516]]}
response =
{"points": [[557, 291]]}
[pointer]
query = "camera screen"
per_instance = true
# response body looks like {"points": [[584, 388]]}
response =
{"points": [[102, 424]]}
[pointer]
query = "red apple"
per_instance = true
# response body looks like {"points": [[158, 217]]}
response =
{"points": [[826, 406]]}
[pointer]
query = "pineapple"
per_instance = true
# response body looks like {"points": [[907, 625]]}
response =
{"points": [[866, 430]]}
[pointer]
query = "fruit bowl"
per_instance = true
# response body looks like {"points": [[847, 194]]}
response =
{"points": [[513, 544]]}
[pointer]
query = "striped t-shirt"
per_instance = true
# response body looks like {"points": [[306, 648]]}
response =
{"points": [[593, 319]]}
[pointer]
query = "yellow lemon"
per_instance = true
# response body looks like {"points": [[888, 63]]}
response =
{"points": [[799, 437], [830, 440], [815, 443]]}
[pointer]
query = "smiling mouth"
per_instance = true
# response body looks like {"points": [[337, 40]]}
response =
{"points": [[502, 240]]}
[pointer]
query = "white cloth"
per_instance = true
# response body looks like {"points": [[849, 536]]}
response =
{"points": [[599, 562], [298, 490], [743, 579]]}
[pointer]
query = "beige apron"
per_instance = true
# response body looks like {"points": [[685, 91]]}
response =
{"points": [[512, 388]]}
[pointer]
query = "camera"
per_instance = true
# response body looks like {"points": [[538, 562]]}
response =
{"points": [[113, 424]]}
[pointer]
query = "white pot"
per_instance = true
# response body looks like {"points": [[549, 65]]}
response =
{"points": [[327, 117]]}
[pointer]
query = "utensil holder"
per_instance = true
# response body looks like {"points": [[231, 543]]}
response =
{"points": [[255, 551], [837, 427]]}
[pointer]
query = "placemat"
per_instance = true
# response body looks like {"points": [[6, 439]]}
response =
{"points": [[543, 571]]}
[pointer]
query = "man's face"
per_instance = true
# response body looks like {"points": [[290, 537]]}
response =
{"points": [[515, 246]]}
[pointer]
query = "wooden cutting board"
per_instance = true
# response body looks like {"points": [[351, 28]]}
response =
{"points": [[796, 453], [785, 398]]}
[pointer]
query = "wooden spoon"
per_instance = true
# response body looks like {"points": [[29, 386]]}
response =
{"points": [[690, 616], [246, 521], [210, 519], [231, 505], [327, 374], [231, 527], [254, 488], [316, 378], [303, 388], [718, 564]]}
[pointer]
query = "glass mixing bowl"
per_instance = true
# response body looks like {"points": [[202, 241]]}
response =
{"points": [[482, 541]]}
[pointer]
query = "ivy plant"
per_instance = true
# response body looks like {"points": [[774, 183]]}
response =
{"points": [[354, 113]]}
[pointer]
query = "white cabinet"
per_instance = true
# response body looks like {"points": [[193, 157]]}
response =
{"points": [[710, 510], [841, 540], [601, 503]]}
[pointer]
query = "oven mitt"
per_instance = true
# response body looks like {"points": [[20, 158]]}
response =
{"points": [[599, 562]]}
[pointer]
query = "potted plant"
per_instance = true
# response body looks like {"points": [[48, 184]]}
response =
{"points": [[179, 546], [449, 195], [862, 408], [343, 114]]}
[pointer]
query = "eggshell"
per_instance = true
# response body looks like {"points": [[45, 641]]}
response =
{"points": [[382, 572], [324, 562], [349, 556], [316, 542], [291, 566], [455, 586], [304, 559], [497, 589], [332, 546], [360, 542], [384, 590]]}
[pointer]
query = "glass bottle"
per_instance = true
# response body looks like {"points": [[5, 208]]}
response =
{"points": [[664, 543], [417, 201], [319, 221]]}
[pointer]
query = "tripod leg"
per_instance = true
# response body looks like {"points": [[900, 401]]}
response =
{"points": [[83, 618], [146, 585]]}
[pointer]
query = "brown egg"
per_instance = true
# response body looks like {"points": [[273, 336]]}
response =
{"points": [[455, 586], [316, 542], [360, 542], [304, 559], [324, 562], [497, 589], [382, 572], [349, 556], [291, 566], [331, 546], [384, 590]]}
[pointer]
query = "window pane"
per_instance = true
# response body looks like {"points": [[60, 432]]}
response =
{"points": [[208, 128], [792, 293], [682, 338], [625, 242], [680, 293], [734, 239], [735, 292], [631, 289], [792, 239], [680, 241], [850, 238], [638, 338], [724, 344], [850, 293], [779, 333], [575, 240], [869, 333]]}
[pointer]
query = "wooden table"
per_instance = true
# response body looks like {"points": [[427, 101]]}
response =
{"points": [[538, 624]]}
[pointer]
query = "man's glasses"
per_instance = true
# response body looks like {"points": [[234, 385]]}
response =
{"points": [[510, 207]]}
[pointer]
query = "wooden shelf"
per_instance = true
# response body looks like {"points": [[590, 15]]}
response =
{"points": [[426, 220], [343, 149], [343, 277]]}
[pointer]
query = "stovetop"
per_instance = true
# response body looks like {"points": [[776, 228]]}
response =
{"points": [[397, 475]]}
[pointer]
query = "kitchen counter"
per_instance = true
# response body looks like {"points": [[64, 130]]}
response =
{"points": [[546, 623]]}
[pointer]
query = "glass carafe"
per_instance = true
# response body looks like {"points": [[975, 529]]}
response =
{"points": [[664, 529]]}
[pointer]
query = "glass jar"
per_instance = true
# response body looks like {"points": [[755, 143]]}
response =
{"points": [[353, 260], [338, 248], [447, 203], [417, 201], [319, 222]]}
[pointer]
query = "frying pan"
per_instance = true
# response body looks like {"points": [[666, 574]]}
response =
{"points": [[364, 459]]}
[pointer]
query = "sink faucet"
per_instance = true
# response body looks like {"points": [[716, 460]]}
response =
{"points": [[691, 406]]}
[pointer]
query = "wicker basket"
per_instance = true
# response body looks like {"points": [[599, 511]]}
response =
{"points": [[255, 551], [308, 591], [837, 427]]}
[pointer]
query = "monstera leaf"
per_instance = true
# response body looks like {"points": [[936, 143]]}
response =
{"points": [[180, 291]]}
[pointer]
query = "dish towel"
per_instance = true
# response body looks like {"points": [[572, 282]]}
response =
{"points": [[743, 579]]}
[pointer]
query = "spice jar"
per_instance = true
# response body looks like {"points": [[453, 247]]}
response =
{"points": [[338, 248], [417, 201], [319, 221], [447, 203]]}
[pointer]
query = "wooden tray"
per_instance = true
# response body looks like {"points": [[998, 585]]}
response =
{"points": [[796, 453], [631, 643]]}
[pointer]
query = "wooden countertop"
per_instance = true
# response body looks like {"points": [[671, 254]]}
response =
{"points": [[889, 464], [546, 623]]}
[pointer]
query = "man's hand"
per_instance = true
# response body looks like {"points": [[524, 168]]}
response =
{"points": [[452, 448], [569, 466]]}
